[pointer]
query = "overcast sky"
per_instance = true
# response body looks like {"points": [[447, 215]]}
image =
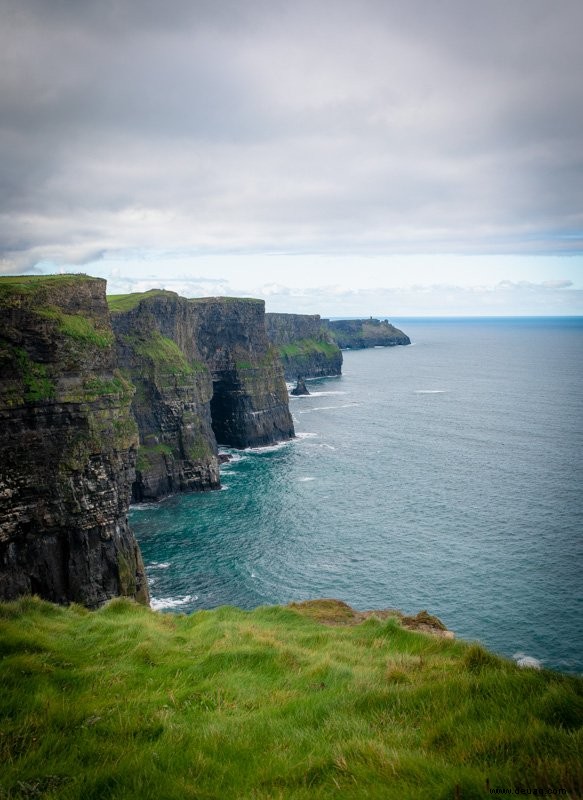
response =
{"points": [[350, 157]]}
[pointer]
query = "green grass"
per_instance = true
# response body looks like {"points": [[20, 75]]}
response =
{"points": [[307, 347], [29, 283], [119, 303], [30, 380], [165, 355], [78, 327], [149, 454], [132, 704]]}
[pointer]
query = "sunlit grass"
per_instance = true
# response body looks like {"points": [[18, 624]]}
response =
{"points": [[130, 703]]}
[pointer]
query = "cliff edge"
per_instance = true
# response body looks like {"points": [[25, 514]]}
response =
{"points": [[355, 334], [67, 446], [305, 346]]}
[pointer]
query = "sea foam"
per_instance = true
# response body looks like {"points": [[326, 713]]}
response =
{"points": [[159, 603]]}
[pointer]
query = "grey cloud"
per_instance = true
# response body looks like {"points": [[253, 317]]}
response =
{"points": [[209, 126]]}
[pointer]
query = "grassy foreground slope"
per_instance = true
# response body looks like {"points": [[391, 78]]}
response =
{"points": [[129, 703]]}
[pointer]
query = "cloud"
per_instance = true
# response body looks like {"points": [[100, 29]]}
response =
{"points": [[530, 286], [383, 127]]}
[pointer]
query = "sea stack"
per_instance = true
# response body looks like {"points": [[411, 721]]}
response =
{"points": [[300, 388]]}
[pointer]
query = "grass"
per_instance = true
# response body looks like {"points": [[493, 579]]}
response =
{"points": [[307, 347], [30, 380], [78, 327], [165, 355], [129, 703], [149, 454], [30, 283], [119, 303]]}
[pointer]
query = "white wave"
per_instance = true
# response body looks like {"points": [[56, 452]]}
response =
{"points": [[144, 506], [224, 488], [305, 480], [235, 456], [430, 391], [158, 565], [306, 435], [528, 662], [268, 448], [322, 394], [328, 408], [158, 603]]}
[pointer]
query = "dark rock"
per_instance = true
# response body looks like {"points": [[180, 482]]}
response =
{"points": [[204, 373], [157, 349], [356, 334], [249, 406], [300, 388], [224, 458], [304, 345], [67, 446]]}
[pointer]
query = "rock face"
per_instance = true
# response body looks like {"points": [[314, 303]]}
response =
{"points": [[249, 406], [67, 446], [204, 372], [158, 352], [304, 345], [358, 333], [300, 388]]}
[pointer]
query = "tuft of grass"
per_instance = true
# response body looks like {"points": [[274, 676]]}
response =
{"points": [[131, 704], [164, 354], [119, 303]]}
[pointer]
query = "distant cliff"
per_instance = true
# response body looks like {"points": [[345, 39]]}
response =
{"points": [[355, 334], [204, 373], [304, 345], [157, 349], [249, 406], [67, 446]]}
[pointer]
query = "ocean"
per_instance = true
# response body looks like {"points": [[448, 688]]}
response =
{"points": [[446, 475]]}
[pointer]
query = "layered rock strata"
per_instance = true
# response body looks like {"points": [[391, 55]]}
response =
{"points": [[67, 446], [304, 345], [249, 407], [204, 373], [158, 352], [356, 334]]}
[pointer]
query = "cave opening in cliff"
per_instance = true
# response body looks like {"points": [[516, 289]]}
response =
{"points": [[226, 418]]}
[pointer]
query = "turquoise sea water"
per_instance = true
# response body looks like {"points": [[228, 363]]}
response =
{"points": [[447, 475]]}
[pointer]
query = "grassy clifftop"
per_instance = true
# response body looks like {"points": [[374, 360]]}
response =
{"points": [[130, 703]]}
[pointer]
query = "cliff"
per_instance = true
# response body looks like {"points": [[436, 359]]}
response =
{"points": [[304, 345], [67, 446], [156, 347], [249, 406], [204, 373], [359, 333]]}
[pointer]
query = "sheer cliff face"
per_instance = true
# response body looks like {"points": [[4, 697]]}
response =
{"points": [[249, 407], [305, 347], [358, 333], [158, 352], [204, 372], [67, 446]]}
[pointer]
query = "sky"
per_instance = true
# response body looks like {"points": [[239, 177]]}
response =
{"points": [[341, 157]]}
